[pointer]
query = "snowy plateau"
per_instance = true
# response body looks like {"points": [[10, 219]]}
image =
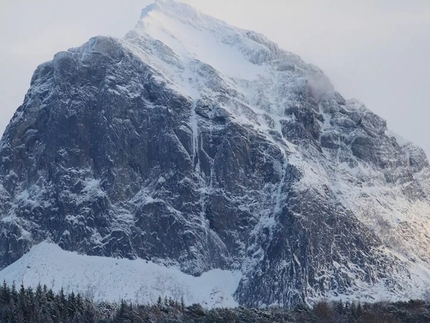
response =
{"points": [[194, 159]]}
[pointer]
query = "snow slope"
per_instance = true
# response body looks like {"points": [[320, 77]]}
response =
{"points": [[109, 279]]}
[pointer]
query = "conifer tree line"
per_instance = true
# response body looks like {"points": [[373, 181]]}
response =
{"points": [[42, 305]]}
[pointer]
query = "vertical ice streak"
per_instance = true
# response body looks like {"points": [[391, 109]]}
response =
{"points": [[277, 208], [194, 135]]}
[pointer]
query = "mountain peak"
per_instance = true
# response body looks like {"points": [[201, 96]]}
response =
{"points": [[179, 10], [190, 36]]}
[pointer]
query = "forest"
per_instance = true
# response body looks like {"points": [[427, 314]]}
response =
{"points": [[42, 305]]}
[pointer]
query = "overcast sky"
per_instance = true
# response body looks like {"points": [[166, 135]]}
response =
{"points": [[375, 50]]}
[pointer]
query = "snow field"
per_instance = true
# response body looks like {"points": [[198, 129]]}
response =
{"points": [[109, 279]]}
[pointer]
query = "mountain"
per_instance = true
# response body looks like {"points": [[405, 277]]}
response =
{"points": [[205, 148]]}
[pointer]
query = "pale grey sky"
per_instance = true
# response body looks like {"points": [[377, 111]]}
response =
{"points": [[374, 50]]}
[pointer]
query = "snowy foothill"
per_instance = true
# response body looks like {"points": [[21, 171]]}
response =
{"points": [[111, 280]]}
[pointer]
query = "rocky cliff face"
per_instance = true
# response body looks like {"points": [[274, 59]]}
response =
{"points": [[196, 144]]}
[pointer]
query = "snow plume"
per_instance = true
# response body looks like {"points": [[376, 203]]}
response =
{"points": [[318, 85]]}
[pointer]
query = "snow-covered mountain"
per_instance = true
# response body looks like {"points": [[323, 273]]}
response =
{"points": [[198, 146]]}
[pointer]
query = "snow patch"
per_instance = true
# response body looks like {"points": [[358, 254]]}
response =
{"points": [[109, 279], [91, 191]]}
